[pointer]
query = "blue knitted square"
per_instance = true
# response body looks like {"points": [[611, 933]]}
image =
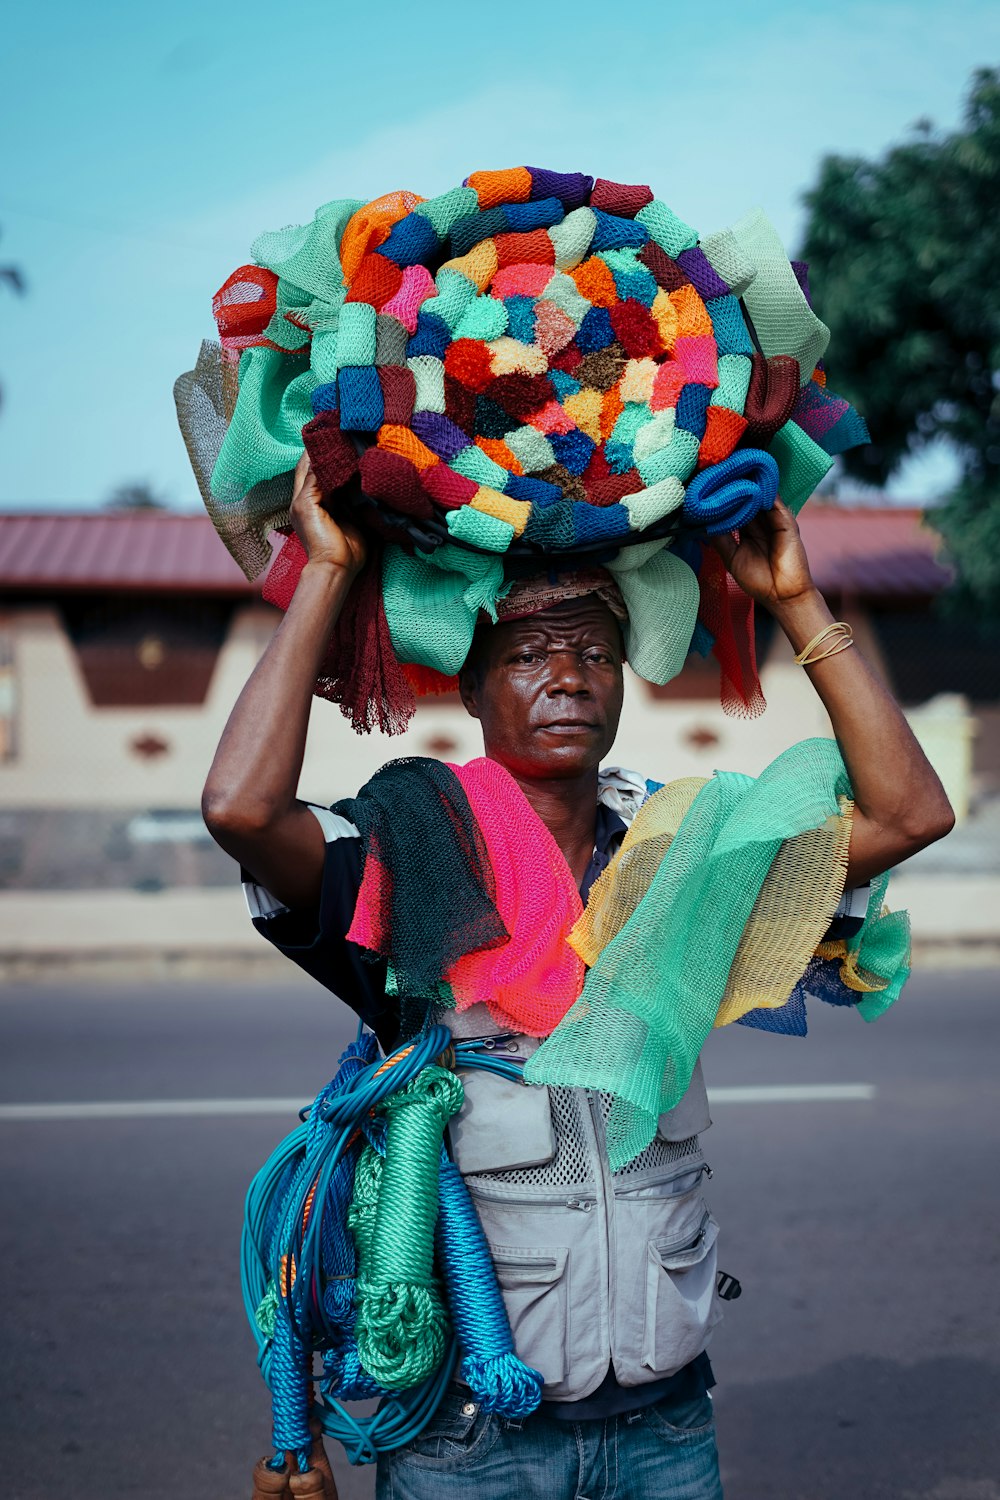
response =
{"points": [[411, 242], [537, 491], [692, 404], [521, 318], [572, 449], [637, 284], [324, 397], [728, 326], [361, 405], [619, 456], [595, 332], [475, 227], [550, 527], [613, 233], [433, 336], [564, 384], [593, 523], [523, 217]]}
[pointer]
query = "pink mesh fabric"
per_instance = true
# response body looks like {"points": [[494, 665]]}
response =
{"points": [[530, 982]]}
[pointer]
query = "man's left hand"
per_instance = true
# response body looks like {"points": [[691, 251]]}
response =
{"points": [[769, 561]]}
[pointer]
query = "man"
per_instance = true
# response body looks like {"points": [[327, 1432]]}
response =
{"points": [[546, 685]]}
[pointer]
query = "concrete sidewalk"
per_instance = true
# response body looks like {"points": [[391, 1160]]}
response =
{"points": [[955, 917]]}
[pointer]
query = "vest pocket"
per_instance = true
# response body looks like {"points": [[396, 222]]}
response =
{"points": [[680, 1297], [535, 1293]]}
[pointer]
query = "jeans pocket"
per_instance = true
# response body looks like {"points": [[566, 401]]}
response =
{"points": [[680, 1297], [458, 1433], [681, 1421]]}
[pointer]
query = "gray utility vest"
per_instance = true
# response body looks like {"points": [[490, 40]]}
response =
{"points": [[595, 1266]]}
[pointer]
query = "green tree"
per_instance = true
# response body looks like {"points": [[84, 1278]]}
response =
{"points": [[134, 496], [904, 255]]}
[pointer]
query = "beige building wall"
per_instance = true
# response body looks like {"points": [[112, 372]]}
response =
{"points": [[69, 754]]}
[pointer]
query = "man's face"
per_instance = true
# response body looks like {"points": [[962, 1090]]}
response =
{"points": [[548, 689]]}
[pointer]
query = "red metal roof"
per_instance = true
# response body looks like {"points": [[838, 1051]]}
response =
{"points": [[156, 550], [885, 552]]}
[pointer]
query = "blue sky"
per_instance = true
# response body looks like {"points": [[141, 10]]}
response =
{"points": [[145, 147]]}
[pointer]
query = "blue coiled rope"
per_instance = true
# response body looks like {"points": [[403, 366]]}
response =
{"points": [[295, 1242], [729, 494]]}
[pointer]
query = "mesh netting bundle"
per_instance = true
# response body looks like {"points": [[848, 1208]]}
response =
{"points": [[535, 366], [428, 894], [654, 990], [531, 981]]}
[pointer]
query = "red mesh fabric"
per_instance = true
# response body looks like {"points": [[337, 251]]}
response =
{"points": [[377, 281], [397, 480], [243, 306], [531, 981], [426, 682], [360, 670], [332, 455], [621, 198], [727, 612], [282, 580], [773, 391], [399, 392]]}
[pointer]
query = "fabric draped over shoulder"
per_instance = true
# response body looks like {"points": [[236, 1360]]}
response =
{"points": [[533, 980], [713, 907], [428, 891]]}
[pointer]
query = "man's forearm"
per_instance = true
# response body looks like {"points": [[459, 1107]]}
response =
{"points": [[899, 801], [255, 773]]}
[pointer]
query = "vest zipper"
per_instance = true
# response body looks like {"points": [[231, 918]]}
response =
{"points": [[608, 1195]]}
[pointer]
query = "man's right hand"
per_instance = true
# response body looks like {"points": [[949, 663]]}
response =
{"points": [[337, 543]]}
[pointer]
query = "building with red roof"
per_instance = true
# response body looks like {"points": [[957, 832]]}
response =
{"points": [[125, 638]]}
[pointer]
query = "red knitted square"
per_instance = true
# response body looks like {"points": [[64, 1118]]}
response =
{"points": [[723, 430], [377, 281], [667, 272], [567, 359], [468, 361], [459, 404], [636, 329], [446, 488], [399, 392], [521, 395], [332, 455], [389, 476], [621, 198], [532, 248]]}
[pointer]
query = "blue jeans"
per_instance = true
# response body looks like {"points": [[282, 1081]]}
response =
{"points": [[664, 1452]]}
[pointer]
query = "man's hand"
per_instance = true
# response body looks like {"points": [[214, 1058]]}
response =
{"points": [[769, 561], [337, 543]]}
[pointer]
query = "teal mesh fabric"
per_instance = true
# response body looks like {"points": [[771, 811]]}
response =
{"points": [[652, 996]]}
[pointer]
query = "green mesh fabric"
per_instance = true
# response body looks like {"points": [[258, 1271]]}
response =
{"points": [[782, 318], [432, 603], [652, 996], [661, 596], [264, 438], [802, 463], [882, 948]]}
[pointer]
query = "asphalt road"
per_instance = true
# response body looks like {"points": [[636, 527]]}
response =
{"points": [[861, 1362]]}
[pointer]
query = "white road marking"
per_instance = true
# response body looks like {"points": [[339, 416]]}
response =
{"points": [[152, 1109], [792, 1093]]}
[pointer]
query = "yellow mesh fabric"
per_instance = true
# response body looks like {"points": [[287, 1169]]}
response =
{"points": [[795, 907], [617, 892]]}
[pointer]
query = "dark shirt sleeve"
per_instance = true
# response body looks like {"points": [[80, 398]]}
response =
{"points": [[317, 940]]}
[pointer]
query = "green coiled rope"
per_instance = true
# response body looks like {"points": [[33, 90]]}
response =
{"points": [[402, 1327]]}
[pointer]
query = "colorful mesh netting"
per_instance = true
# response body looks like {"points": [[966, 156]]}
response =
{"points": [[685, 931], [532, 366], [531, 981], [428, 894]]}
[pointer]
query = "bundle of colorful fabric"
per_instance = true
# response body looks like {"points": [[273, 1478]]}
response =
{"points": [[627, 990], [533, 369]]}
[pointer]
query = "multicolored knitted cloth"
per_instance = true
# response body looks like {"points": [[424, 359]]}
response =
{"points": [[533, 369]]}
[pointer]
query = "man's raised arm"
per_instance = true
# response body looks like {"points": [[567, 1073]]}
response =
{"points": [[249, 803]]}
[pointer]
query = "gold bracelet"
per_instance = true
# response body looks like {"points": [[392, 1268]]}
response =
{"points": [[841, 636]]}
